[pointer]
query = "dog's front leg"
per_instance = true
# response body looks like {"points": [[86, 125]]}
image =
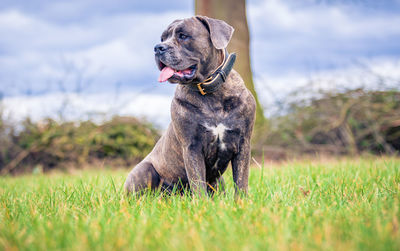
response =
{"points": [[240, 168], [195, 169]]}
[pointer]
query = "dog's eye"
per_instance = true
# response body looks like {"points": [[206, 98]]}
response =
{"points": [[183, 36], [162, 39]]}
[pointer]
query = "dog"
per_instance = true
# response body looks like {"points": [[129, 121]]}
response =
{"points": [[212, 113]]}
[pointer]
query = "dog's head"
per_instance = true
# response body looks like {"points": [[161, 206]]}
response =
{"points": [[188, 52]]}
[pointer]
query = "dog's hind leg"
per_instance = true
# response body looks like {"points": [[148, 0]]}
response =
{"points": [[142, 177]]}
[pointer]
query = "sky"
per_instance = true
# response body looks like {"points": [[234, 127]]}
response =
{"points": [[85, 59]]}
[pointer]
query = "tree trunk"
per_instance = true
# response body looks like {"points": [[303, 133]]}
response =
{"points": [[234, 13]]}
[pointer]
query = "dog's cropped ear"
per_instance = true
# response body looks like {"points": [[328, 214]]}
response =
{"points": [[220, 32]]}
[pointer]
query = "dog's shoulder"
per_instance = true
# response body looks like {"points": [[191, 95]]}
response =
{"points": [[236, 86]]}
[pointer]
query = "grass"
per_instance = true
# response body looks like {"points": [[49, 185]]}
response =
{"points": [[323, 205]]}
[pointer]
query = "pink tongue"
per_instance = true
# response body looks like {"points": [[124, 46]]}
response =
{"points": [[165, 74]]}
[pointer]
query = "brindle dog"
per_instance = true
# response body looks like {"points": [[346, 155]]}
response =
{"points": [[208, 130]]}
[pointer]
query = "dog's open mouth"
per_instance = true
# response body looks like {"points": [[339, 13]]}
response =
{"points": [[168, 72]]}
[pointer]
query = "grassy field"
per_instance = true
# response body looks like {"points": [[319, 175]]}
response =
{"points": [[321, 205]]}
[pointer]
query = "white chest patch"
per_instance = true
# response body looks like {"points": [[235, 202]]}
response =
{"points": [[218, 132]]}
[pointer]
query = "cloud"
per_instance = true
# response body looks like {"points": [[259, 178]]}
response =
{"points": [[305, 38], [75, 11], [98, 107], [109, 49]]}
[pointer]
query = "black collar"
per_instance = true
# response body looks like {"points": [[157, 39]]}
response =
{"points": [[218, 77]]}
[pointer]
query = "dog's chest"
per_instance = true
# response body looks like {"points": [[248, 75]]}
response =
{"points": [[222, 126], [221, 137], [216, 135], [217, 123]]}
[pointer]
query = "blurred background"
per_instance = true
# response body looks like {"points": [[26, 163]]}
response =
{"points": [[78, 82]]}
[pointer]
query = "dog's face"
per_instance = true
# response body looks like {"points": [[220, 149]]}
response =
{"points": [[189, 48]]}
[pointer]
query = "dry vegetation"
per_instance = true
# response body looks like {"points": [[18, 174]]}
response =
{"points": [[49, 144], [348, 123]]}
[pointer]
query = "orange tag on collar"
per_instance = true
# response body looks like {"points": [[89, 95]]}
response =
{"points": [[201, 89]]}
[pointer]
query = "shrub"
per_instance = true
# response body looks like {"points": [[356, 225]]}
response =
{"points": [[351, 122], [51, 144]]}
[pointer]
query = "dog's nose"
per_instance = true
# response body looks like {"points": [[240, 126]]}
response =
{"points": [[160, 49]]}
